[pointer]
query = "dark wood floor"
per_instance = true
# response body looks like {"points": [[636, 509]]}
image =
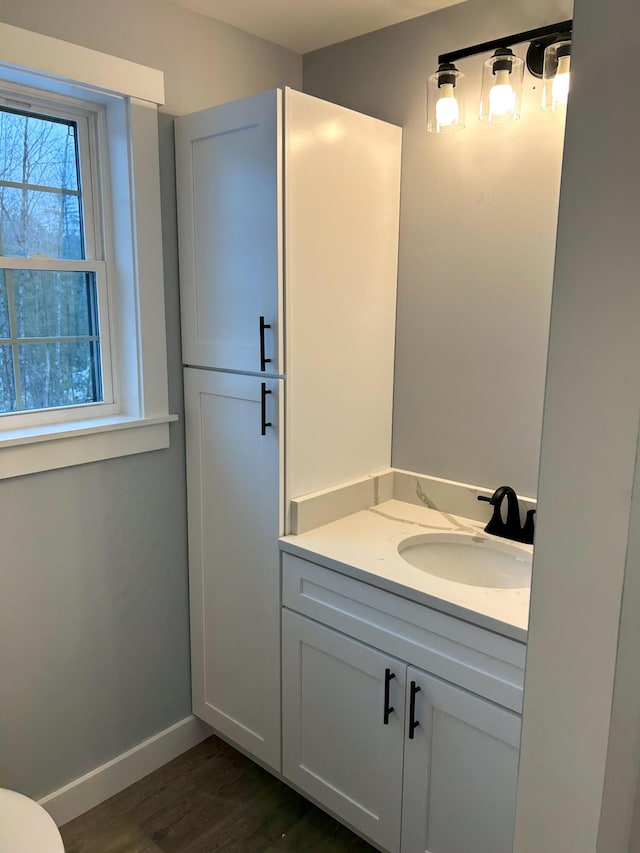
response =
{"points": [[209, 799]]}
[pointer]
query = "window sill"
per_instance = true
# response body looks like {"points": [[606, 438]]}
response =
{"points": [[28, 451]]}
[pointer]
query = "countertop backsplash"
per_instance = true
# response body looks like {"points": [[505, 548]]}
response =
{"points": [[446, 496]]}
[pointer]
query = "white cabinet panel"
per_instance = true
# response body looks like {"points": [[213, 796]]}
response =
{"points": [[341, 241], [460, 771], [235, 516], [336, 746], [228, 169]]}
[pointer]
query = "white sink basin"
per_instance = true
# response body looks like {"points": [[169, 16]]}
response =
{"points": [[469, 559]]}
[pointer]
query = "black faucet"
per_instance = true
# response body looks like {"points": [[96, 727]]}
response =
{"points": [[511, 528]]}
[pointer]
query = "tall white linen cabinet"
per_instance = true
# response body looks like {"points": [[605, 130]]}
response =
{"points": [[288, 211]]}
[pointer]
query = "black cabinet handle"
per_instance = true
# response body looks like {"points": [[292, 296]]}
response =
{"points": [[263, 361], [263, 406], [413, 723], [388, 675]]}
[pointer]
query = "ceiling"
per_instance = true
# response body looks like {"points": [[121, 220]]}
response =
{"points": [[304, 25]]}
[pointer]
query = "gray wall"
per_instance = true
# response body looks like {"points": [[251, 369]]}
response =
{"points": [[477, 237], [205, 62], [94, 646]]}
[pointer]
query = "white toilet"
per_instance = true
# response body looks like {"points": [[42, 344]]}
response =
{"points": [[25, 827]]}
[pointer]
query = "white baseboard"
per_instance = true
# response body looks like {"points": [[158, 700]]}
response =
{"points": [[103, 782]]}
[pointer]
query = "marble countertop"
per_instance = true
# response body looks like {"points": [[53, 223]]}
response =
{"points": [[364, 546]]}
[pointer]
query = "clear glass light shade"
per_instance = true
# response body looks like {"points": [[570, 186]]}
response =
{"points": [[556, 75], [501, 87], [445, 101]]}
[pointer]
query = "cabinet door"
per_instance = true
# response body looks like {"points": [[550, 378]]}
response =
{"points": [[460, 771], [336, 746], [228, 174], [233, 477]]}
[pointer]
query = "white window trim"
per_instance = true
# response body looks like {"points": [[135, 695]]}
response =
{"points": [[97, 215], [130, 94]]}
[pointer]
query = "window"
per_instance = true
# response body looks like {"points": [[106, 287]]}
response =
{"points": [[83, 373], [53, 352]]}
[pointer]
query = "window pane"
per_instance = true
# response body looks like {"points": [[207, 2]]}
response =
{"points": [[59, 374], [40, 223], [5, 329], [7, 388], [37, 150], [54, 304]]}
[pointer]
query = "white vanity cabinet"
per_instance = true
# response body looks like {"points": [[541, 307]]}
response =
{"points": [[438, 773], [288, 210]]}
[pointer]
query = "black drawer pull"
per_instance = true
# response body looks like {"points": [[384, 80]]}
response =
{"points": [[413, 723], [263, 361], [263, 406], [388, 675]]}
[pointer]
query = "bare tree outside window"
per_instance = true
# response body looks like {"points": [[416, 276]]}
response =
{"points": [[49, 336]]}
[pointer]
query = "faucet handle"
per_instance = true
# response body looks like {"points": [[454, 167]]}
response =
{"points": [[528, 529], [484, 498]]}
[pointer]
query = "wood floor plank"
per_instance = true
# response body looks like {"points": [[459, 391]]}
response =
{"points": [[210, 800], [118, 838]]}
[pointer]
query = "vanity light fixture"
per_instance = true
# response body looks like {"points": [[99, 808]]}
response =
{"points": [[548, 58]]}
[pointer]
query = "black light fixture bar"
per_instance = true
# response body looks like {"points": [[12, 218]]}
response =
{"points": [[507, 41]]}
